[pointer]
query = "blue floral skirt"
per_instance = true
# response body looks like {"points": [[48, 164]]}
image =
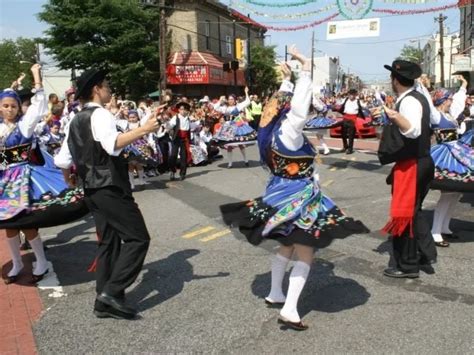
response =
{"points": [[292, 211]]}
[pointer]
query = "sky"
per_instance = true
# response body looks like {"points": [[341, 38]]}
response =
{"points": [[362, 56]]}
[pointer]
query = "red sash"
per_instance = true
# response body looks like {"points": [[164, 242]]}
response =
{"points": [[402, 208], [185, 136]]}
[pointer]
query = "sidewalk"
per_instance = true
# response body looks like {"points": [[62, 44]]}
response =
{"points": [[20, 307]]}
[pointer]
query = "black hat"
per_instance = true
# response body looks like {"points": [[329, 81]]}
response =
{"points": [[405, 69], [181, 104], [25, 94], [88, 80], [352, 92]]}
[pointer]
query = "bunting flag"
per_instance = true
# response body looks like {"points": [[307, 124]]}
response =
{"points": [[415, 11], [354, 9], [280, 4], [284, 16], [302, 27]]}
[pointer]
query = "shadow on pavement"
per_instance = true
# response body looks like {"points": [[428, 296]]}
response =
{"points": [[324, 291], [165, 279], [239, 164]]}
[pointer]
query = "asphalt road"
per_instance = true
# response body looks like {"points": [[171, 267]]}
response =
{"points": [[201, 287]]}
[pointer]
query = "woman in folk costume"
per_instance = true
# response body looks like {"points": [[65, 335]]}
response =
{"points": [[33, 194], [235, 132], [321, 123], [453, 159], [293, 209]]}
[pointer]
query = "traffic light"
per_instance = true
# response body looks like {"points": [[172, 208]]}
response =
{"points": [[239, 48], [234, 65], [226, 66]]}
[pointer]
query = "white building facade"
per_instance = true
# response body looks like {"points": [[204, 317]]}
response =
{"points": [[431, 64]]}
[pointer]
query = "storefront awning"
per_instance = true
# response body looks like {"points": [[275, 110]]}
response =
{"points": [[192, 68]]}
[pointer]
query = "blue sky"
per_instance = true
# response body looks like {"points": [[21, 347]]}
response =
{"points": [[18, 18]]}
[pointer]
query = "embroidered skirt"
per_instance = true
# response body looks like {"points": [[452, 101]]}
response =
{"points": [[292, 212]]}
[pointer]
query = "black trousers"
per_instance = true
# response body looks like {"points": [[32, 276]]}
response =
{"points": [[408, 251], [256, 122], [348, 133], [179, 146], [164, 144], [124, 238]]}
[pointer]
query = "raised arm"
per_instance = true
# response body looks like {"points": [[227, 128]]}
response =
{"points": [[38, 108], [459, 99], [246, 103], [292, 127]]}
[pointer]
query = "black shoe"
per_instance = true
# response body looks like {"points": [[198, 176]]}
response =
{"points": [[38, 278], [247, 164], [117, 304], [450, 235], [349, 151], [172, 177], [274, 304], [424, 261], [399, 274], [182, 177], [293, 325], [101, 310]]}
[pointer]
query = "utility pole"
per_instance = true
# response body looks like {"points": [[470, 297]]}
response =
{"points": [[234, 34], [286, 53], [440, 19], [312, 56], [249, 78], [162, 49]]}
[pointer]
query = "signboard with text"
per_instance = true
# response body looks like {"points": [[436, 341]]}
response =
{"points": [[354, 28], [188, 74], [461, 62]]}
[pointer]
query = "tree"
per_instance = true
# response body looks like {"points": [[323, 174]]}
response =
{"points": [[11, 53], [262, 68], [412, 54], [120, 36]]}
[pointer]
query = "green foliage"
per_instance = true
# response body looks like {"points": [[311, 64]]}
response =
{"points": [[118, 35], [11, 53], [412, 54], [262, 68]]}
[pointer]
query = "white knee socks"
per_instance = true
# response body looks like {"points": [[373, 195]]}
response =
{"points": [[279, 263], [14, 246], [38, 250], [442, 215], [244, 155], [141, 177], [229, 158], [452, 198], [298, 277], [131, 178]]}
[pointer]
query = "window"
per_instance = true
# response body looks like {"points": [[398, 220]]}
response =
{"points": [[228, 45]]}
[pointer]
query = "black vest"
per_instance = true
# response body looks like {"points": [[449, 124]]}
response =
{"points": [[94, 166], [394, 146]]}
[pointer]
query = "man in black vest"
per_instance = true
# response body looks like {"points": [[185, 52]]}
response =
{"points": [[180, 140], [94, 145], [351, 109], [407, 143]]}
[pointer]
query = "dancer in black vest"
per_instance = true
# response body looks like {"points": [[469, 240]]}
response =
{"points": [[406, 141], [94, 145], [180, 140]]}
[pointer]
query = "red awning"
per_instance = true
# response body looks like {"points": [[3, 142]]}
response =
{"points": [[200, 68], [196, 58]]}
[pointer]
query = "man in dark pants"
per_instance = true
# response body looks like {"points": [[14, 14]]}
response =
{"points": [[180, 140], [407, 143], [94, 145], [350, 109]]}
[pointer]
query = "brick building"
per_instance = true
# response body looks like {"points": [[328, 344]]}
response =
{"points": [[203, 37]]}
